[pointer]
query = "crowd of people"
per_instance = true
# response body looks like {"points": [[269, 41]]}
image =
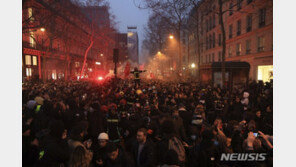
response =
{"points": [[118, 123]]}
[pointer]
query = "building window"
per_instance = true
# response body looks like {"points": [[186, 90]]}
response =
{"points": [[239, 4], [28, 60], [220, 56], [28, 72], [249, 23], [249, 1], [220, 39], [76, 64], [210, 23], [207, 25], [54, 74], [248, 46], [230, 8], [262, 15], [214, 21], [238, 49], [239, 25], [265, 73], [32, 40], [210, 42], [34, 60], [261, 42], [214, 40], [230, 31], [229, 52], [213, 57], [207, 43], [30, 14]]}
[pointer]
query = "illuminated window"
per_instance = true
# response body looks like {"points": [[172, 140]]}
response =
{"points": [[28, 60], [265, 73], [30, 14], [34, 60], [129, 34], [28, 72], [76, 64], [54, 74], [32, 41]]}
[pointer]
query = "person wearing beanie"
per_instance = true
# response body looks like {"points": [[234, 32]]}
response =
{"points": [[56, 150], [100, 154]]}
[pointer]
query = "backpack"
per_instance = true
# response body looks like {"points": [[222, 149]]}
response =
{"points": [[176, 145]]}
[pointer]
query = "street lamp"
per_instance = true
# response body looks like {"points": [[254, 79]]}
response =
{"points": [[192, 65], [98, 63], [42, 29], [171, 37], [159, 52], [102, 55]]}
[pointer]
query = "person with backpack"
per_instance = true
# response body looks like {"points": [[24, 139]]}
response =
{"points": [[168, 142]]}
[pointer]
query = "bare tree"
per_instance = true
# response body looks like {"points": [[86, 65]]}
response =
{"points": [[175, 14]]}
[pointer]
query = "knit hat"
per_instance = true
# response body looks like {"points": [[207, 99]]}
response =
{"points": [[103, 136]]}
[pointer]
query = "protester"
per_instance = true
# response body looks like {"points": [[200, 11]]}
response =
{"points": [[143, 150], [156, 123]]}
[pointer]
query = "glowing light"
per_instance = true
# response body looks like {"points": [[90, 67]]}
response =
{"points": [[159, 52], [171, 68], [98, 63], [42, 29], [102, 55], [100, 78], [183, 68], [192, 65], [129, 34], [171, 37]]}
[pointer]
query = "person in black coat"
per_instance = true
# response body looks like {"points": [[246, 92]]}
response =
{"points": [[116, 157], [56, 150], [143, 150]]}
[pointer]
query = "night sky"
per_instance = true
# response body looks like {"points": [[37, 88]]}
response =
{"points": [[127, 14]]}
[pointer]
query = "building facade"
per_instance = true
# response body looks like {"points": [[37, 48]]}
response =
{"points": [[133, 44], [249, 35], [55, 37]]}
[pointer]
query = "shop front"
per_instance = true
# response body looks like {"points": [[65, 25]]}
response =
{"points": [[263, 69], [31, 64]]}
